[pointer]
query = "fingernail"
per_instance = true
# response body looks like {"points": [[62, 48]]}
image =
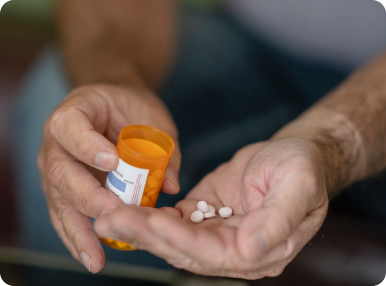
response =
{"points": [[87, 260], [105, 160], [106, 212]]}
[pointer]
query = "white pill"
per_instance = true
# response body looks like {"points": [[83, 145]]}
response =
{"points": [[211, 209], [209, 215], [202, 206], [225, 212], [197, 216]]}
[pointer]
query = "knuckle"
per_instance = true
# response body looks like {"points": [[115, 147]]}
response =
{"points": [[289, 248], [183, 263], [74, 235], [276, 272], [55, 120], [60, 207], [84, 203], [83, 147], [284, 225], [250, 276], [279, 228], [40, 161], [55, 169], [59, 118]]}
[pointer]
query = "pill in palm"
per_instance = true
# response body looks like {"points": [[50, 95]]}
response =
{"points": [[211, 209], [209, 215], [225, 212], [202, 206], [197, 216]]}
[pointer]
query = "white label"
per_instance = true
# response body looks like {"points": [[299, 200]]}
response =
{"points": [[127, 182]]}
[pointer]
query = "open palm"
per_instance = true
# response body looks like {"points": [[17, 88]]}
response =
{"points": [[279, 200]]}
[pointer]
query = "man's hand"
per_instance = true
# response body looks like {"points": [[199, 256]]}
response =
{"points": [[278, 194], [78, 144]]}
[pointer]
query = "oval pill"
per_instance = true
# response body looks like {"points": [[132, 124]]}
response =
{"points": [[121, 244], [152, 182], [197, 216], [157, 174], [154, 198], [145, 201], [151, 192], [225, 212], [211, 209], [209, 215], [202, 206]]}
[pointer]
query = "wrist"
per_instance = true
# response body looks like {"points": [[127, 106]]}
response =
{"points": [[106, 75], [339, 142]]}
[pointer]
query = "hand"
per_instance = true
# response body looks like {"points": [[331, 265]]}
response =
{"points": [[79, 142], [279, 199]]}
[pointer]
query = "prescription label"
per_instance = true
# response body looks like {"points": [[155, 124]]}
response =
{"points": [[127, 182]]}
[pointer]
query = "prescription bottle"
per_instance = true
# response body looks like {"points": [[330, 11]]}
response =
{"points": [[144, 154]]}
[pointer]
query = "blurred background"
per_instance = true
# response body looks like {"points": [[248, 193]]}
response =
{"points": [[350, 248], [25, 27]]}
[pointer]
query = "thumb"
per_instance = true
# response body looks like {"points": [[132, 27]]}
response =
{"points": [[72, 125], [171, 183], [282, 211]]}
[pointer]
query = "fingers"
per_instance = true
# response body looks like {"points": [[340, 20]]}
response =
{"points": [[75, 231], [135, 225], [74, 139], [188, 239], [76, 184], [275, 260], [79, 232], [72, 125], [171, 183], [129, 224], [77, 126], [284, 208], [207, 251], [57, 224]]}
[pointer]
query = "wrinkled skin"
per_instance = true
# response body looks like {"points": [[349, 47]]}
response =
{"points": [[87, 122], [278, 195]]}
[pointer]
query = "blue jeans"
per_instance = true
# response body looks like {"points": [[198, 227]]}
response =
{"points": [[227, 89]]}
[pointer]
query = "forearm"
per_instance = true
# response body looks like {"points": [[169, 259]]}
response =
{"points": [[117, 41], [349, 127]]}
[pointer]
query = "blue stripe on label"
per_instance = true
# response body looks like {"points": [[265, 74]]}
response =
{"points": [[117, 183]]}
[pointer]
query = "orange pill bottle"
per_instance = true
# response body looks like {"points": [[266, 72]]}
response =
{"points": [[144, 154]]}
